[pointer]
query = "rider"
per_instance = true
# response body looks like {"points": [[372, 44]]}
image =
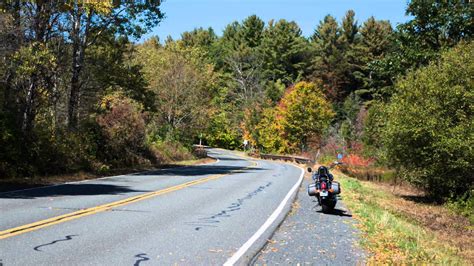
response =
{"points": [[322, 172]]}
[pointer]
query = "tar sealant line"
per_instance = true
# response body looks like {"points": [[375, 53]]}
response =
{"points": [[245, 247]]}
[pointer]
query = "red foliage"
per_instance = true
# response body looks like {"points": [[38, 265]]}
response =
{"points": [[356, 160]]}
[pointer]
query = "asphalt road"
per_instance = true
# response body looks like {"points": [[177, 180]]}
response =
{"points": [[310, 237], [200, 215]]}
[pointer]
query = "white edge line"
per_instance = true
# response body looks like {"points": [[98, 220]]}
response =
{"points": [[99, 178], [232, 260]]}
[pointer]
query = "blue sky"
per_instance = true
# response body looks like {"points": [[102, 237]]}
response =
{"points": [[185, 15]]}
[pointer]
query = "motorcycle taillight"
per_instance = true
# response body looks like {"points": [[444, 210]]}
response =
{"points": [[323, 185]]}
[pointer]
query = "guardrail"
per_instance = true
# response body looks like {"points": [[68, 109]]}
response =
{"points": [[296, 159]]}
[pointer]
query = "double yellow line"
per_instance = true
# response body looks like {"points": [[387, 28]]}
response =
{"points": [[89, 211]]}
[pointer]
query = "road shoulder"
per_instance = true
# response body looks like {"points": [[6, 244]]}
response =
{"points": [[307, 236]]}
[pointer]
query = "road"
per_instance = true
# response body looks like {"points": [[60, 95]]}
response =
{"points": [[200, 215], [310, 237]]}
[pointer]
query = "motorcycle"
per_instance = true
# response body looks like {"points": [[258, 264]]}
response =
{"points": [[325, 190]]}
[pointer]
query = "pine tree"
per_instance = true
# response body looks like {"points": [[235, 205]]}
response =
{"points": [[284, 52], [327, 57], [376, 42]]}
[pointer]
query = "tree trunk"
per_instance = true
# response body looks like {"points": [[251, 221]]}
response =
{"points": [[78, 55], [29, 112]]}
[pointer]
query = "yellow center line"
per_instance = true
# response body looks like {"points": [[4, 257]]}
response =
{"points": [[89, 211]]}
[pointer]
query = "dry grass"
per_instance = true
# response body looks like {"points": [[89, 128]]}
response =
{"points": [[449, 227], [400, 228]]}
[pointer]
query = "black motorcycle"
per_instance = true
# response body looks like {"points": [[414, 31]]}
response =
{"points": [[324, 188]]}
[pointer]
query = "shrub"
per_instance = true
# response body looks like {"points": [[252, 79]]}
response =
{"points": [[122, 127], [170, 151], [430, 130], [374, 125]]}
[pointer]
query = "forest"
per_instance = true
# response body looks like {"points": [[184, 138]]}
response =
{"points": [[79, 93]]}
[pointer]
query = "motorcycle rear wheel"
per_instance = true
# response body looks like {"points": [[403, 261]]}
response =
{"points": [[327, 207]]}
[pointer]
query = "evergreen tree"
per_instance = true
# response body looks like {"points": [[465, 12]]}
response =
{"points": [[199, 37], [327, 57], [284, 52], [376, 42]]}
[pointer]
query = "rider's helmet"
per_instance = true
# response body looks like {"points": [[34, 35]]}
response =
{"points": [[323, 171]]}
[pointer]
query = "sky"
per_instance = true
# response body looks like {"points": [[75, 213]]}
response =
{"points": [[185, 15]]}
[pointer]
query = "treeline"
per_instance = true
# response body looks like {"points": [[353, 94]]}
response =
{"points": [[59, 62], [77, 94]]}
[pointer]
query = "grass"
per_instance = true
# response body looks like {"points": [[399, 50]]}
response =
{"points": [[393, 236], [195, 162]]}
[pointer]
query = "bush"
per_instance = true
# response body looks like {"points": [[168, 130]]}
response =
{"points": [[122, 127], [374, 125], [463, 205], [430, 130], [170, 151]]}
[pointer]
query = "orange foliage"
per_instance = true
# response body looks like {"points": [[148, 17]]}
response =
{"points": [[356, 160]]}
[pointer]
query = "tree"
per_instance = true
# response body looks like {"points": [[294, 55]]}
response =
{"points": [[429, 132], [434, 27], [269, 132], [251, 31], [182, 83], [221, 132], [284, 52], [86, 22], [199, 37], [328, 60], [242, 60], [305, 115], [373, 130], [350, 47], [376, 43]]}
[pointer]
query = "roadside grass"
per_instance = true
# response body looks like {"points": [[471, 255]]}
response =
{"points": [[194, 162], [392, 236]]}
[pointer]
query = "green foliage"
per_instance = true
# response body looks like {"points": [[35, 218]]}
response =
{"points": [[464, 205], [221, 133], [199, 37], [274, 90], [435, 26], [337, 60], [376, 42], [284, 51], [122, 73], [182, 81], [328, 57], [269, 133], [374, 126], [305, 115], [429, 130]]}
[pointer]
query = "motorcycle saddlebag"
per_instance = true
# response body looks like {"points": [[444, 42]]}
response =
{"points": [[336, 187], [312, 190]]}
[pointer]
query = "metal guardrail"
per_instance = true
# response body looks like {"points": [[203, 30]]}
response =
{"points": [[296, 159]]}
